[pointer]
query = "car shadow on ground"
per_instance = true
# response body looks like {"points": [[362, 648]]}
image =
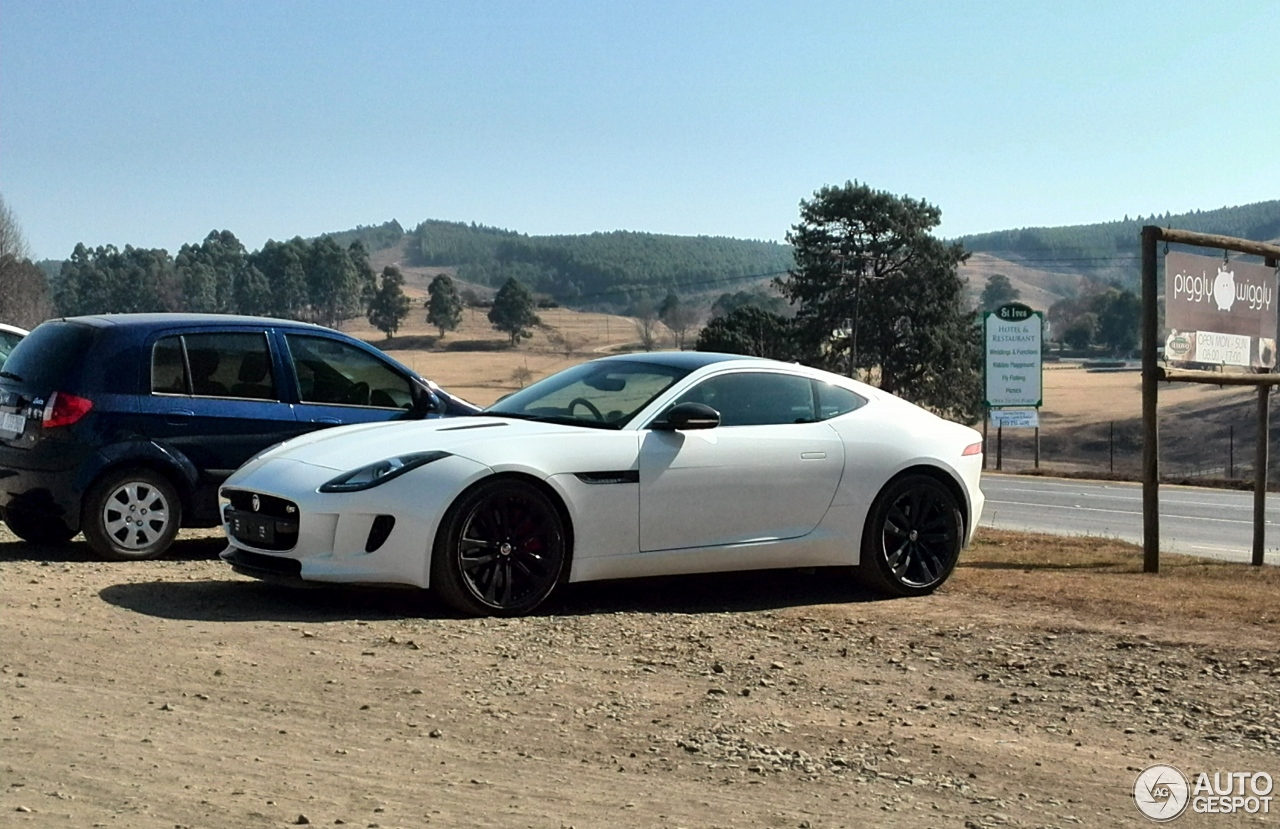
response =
{"points": [[237, 600], [79, 551]]}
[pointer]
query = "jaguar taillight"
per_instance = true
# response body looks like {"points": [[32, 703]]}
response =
{"points": [[64, 409]]}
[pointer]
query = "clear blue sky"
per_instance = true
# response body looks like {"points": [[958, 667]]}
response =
{"points": [[153, 123]]}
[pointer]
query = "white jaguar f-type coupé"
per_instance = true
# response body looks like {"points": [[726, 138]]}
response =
{"points": [[636, 465]]}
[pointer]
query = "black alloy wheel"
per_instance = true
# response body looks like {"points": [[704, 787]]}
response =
{"points": [[912, 538], [501, 550]]}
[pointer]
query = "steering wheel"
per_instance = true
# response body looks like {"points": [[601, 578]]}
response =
{"points": [[591, 407]]}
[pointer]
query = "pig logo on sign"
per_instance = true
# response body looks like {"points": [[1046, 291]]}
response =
{"points": [[1224, 289]]}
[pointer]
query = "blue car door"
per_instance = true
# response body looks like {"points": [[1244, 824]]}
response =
{"points": [[214, 399]]}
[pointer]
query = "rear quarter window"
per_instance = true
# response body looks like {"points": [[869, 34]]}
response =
{"points": [[834, 401], [50, 357]]}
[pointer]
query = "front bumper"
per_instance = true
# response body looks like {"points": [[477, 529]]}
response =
{"points": [[275, 569], [336, 532]]}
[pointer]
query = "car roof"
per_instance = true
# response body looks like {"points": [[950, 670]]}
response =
{"points": [[688, 360], [163, 319]]}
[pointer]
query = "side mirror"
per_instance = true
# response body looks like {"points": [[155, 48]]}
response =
{"points": [[425, 400], [684, 416]]}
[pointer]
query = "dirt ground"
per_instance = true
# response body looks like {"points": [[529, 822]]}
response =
{"points": [[178, 694], [1029, 692]]}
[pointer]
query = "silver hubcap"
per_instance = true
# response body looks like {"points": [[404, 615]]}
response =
{"points": [[136, 515]]}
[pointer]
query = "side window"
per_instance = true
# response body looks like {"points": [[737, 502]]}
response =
{"points": [[337, 373], [834, 401], [168, 369], [230, 365], [756, 398], [213, 365]]}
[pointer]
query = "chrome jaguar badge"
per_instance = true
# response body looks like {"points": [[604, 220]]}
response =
{"points": [[256, 503]]}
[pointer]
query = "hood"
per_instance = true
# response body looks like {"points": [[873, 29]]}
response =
{"points": [[348, 447]]}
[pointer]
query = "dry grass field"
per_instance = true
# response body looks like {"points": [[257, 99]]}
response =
{"points": [[1088, 413], [476, 362]]}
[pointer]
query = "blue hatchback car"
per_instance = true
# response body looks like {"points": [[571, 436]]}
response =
{"points": [[124, 425]]}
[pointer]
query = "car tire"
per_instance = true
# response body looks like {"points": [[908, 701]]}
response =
{"points": [[131, 515], [912, 538], [38, 529], [500, 551]]}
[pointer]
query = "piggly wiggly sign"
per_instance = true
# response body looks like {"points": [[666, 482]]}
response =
{"points": [[1218, 312]]}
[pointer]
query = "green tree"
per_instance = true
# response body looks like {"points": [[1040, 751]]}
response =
{"points": [[1119, 315], [251, 291], [212, 276], [998, 291], [389, 305], [197, 280], [333, 284], [365, 277], [513, 311], [444, 306], [283, 270], [108, 280], [750, 330], [727, 303], [1080, 332], [876, 289]]}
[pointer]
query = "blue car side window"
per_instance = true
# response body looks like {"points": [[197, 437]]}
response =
{"points": [[335, 373], [213, 365], [168, 367]]}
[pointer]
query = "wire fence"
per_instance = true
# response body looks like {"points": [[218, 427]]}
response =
{"points": [[1113, 449]]}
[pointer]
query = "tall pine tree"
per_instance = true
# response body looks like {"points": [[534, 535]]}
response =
{"points": [[877, 291]]}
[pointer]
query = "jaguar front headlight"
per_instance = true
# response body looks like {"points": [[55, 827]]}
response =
{"points": [[379, 472]]}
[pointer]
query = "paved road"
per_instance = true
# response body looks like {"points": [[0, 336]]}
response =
{"points": [[1206, 522]]}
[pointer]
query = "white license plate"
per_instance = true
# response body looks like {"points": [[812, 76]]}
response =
{"points": [[13, 422]]}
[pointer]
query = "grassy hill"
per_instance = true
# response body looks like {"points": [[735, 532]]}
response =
{"points": [[611, 271], [1048, 263]]}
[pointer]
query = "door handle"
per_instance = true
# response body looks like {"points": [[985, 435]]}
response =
{"points": [[178, 417], [812, 456], [328, 421]]}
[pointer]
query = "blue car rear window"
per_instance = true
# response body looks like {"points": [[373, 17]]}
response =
{"points": [[50, 355]]}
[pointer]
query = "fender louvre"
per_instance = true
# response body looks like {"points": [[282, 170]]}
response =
{"points": [[470, 426], [626, 476]]}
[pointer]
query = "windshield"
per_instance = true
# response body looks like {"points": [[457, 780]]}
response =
{"points": [[602, 394]]}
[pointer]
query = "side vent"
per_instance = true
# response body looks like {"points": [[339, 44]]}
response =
{"points": [[379, 532]]}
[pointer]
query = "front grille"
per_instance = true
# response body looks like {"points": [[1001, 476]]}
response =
{"points": [[272, 526], [242, 499]]}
